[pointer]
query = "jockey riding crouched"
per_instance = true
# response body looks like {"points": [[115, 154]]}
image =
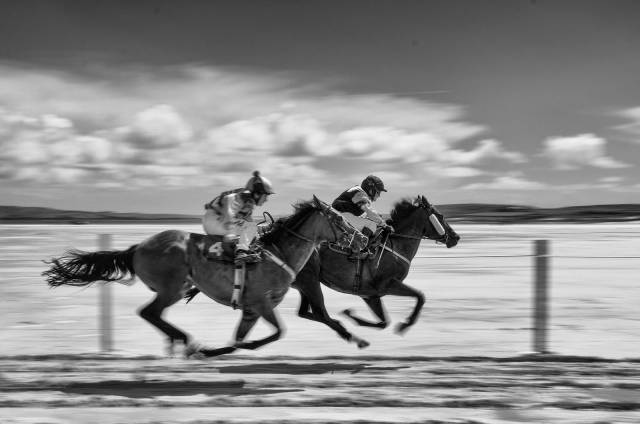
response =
{"points": [[230, 215], [355, 205]]}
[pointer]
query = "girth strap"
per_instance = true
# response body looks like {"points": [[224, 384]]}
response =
{"points": [[357, 281], [280, 263]]}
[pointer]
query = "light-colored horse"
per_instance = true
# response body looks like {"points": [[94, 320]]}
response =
{"points": [[171, 261]]}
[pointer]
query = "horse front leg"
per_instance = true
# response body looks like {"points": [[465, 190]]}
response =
{"points": [[267, 311], [375, 304], [400, 289], [247, 322]]}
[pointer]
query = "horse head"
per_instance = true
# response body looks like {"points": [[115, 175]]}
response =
{"points": [[342, 232], [418, 213], [450, 238]]}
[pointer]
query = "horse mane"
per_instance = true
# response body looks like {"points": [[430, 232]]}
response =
{"points": [[301, 210], [402, 209]]}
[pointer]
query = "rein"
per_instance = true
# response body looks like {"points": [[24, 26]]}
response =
{"points": [[300, 236], [281, 263], [393, 252]]}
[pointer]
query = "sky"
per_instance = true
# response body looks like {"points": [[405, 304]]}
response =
{"points": [[157, 106]]}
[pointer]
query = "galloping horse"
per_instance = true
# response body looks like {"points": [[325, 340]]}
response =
{"points": [[171, 261], [375, 276]]}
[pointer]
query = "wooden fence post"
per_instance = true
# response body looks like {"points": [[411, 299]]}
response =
{"points": [[540, 291], [106, 303]]}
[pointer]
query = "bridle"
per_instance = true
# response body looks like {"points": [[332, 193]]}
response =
{"points": [[443, 239]]}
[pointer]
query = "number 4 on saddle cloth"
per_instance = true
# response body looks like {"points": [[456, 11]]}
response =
{"points": [[223, 249]]}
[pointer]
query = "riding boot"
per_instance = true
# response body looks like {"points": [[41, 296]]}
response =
{"points": [[238, 285]]}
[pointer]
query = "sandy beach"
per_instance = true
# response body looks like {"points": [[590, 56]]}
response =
{"points": [[465, 361]]}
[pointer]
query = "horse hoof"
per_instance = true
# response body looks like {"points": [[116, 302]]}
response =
{"points": [[402, 328], [193, 351], [360, 342]]}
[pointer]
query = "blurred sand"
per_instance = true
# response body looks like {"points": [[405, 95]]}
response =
{"points": [[478, 297], [461, 363]]}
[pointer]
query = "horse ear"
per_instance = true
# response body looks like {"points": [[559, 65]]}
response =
{"points": [[317, 201], [425, 201]]}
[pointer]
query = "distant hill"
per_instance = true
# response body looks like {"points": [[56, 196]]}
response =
{"points": [[514, 214], [23, 214], [468, 212]]}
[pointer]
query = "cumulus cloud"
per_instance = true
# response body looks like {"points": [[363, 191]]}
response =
{"points": [[159, 126], [581, 150], [195, 125]]}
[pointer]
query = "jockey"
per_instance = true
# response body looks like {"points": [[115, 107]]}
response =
{"points": [[357, 200], [230, 215]]}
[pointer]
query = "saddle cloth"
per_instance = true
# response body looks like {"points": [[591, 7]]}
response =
{"points": [[216, 248]]}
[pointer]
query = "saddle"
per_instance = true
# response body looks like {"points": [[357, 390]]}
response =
{"points": [[219, 249], [375, 240], [359, 258]]}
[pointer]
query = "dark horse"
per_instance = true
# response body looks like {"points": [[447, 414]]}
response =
{"points": [[378, 275], [171, 261]]}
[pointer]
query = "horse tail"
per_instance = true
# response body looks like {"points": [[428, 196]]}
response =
{"points": [[79, 268]]}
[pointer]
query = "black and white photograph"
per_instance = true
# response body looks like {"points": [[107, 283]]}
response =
{"points": [[319, 211]]}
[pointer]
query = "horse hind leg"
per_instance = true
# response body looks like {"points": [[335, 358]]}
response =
{"points": [[152, 313], [247, 322], [375, 304]]}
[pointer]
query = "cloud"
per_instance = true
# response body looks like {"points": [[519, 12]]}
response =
{"points": [[633, 127], [486, 149], [196, 125], [460, 172], [506, 182], [159, 126], [581, 150]]}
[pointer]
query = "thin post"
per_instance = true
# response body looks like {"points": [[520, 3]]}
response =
{"points": [[106, 303], [540, 291]]}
